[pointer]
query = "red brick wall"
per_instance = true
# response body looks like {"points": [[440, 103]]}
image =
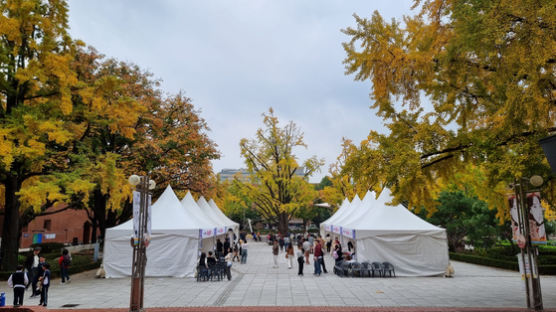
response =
{"points": [[64, 226]]}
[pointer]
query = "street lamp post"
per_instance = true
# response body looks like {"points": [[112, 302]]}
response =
{"points": [[138, 241], [532, 280]]}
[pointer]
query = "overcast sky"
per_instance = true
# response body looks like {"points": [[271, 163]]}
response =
{"points": [[235, 59]]}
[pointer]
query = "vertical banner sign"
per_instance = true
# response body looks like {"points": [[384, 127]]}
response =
{"points": [[136, 212], [149, 232], [536, 218], [535, 213]]}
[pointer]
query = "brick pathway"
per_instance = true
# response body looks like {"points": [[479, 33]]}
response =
{"points": [[258, 285]]}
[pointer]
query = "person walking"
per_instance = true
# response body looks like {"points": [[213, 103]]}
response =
{"points": [[228, 259], [289, 255], [64, 261], [226, 246], [328, 243], [18, 281], [306, 249], [337, 254], [244, 247], [236, 252], [32, 265], [300, 259], [318, 258], [321, 258], [281, 242], [275, 251], [219, 248], [45, 282]]}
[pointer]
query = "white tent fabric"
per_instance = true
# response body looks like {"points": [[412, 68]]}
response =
{"points": [[227, 221], [194, 212], [357, 206], [207, 210], [207, 227], [396, 235], [173, 247], [334, 227], [325, 225]]}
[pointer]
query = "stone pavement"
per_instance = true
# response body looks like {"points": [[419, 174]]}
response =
{"points": [[258, 284]]}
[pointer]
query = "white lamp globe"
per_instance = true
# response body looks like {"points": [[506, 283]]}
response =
{"points": [[134, 180], [152, 184]]}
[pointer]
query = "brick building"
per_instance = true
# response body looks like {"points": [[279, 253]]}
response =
{"points": [[67, 226]]}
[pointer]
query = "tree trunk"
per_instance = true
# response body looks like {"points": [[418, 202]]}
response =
{"points": [[10, 232], [283, 223], [99, 210], [94, 233]]}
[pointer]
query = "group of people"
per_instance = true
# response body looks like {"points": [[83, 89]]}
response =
{"points": [[36, 274], [228, 252], [238, 250], [307, 245]]}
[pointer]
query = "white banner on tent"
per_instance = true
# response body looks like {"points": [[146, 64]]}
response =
{"points": [[220, 231]]}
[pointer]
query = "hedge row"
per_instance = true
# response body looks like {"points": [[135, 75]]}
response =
{"points": [[55, 269], [546, 269], [497, 263]]}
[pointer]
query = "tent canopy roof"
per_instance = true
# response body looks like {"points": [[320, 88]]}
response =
{"points": [[167, 214]]}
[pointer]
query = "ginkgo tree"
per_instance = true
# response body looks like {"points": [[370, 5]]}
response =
{"points": [[74, 124], [275, 189], [37, 83], [460, 83]]}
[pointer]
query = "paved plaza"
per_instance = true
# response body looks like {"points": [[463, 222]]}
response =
{"points": [[258, 284]]}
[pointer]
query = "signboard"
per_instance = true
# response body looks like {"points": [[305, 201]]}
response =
{"points": [[137, 211], [50, 236], [535, 218], [525, 268], [37, 238]]}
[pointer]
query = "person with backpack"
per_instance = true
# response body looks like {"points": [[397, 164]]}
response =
{"points": [[64, 261], [18, 281]]}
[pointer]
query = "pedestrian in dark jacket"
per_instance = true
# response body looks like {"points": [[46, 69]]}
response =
{"points": [[18, 281], [219, 248], [32, 265]]}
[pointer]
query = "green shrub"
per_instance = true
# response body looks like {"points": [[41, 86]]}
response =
{"points": [[79, 263], [547, 265], [49, 247], [476, 259]]}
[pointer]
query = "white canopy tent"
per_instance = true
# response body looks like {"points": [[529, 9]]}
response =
{"points": [[394, 234], [173, 247], [325, 225], [227, 224], [210, 228], [227, 221]]}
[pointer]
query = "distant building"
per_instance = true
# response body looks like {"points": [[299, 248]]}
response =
{"points": [[243, 174], [230, 174]]}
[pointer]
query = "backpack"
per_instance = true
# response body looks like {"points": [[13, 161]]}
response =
{"points": [[66, 261]]}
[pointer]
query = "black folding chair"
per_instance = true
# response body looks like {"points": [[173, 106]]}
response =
{"points": [[366, 269], [388, 268], [338, 268], [356, 269], [376, 267], [346, 268], [202, 273]]}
